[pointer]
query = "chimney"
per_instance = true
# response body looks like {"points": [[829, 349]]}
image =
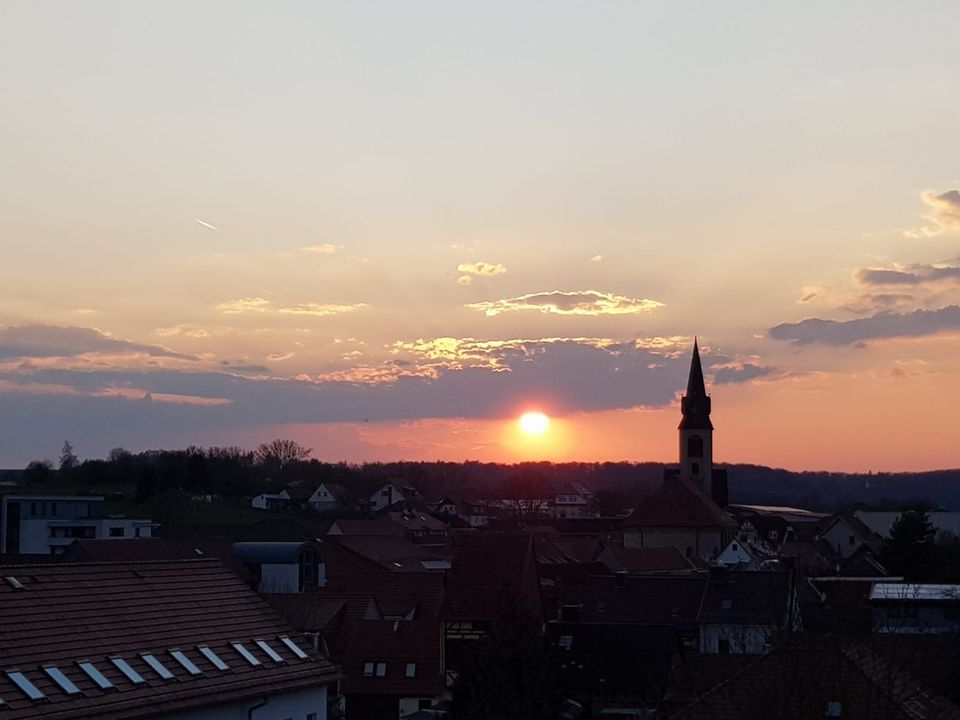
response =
{"points": [[620, 580]]}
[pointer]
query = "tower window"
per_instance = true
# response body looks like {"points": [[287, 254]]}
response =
{"points": [[695, 446], [695, 468]]}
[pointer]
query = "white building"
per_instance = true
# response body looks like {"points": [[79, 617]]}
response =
{"points": [[386, 496], [47, 524], [915, 609], [325, 498], [571, 502], [268, 501]]}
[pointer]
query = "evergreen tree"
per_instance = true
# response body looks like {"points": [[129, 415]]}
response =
{"points": [[510, 674], [910, 551]]}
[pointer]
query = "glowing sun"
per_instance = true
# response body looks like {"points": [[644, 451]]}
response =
{"points": [[534, 423]]}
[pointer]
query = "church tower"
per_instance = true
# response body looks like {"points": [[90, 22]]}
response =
{"points": [[696, 430]]}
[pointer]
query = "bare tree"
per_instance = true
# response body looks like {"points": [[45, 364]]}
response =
{"points": [[277, 454]]}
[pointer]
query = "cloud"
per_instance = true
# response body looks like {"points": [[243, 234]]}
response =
{"points": [[557, 302], [597, 258], [878, 302], [320, 310], [880, 326], [206, 224], [809, 293], [52, 341], [483, 269], [280, 357], [943, 218], [739, 373], [464, 280], [322, 248], [909, 275], [243, 305]]}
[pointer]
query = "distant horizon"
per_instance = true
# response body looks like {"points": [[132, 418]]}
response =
{"points": [[392, 230]]}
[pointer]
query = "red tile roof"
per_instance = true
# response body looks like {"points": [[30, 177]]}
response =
{"points": [[61, 614], [678, 503], [637, 560], [489, 567], [798, 683]]}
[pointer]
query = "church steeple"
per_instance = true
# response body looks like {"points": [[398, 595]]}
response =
{"points": [[695, 405], [696, 430]]}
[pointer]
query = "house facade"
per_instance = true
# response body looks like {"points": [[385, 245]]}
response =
{"points": [[47, 524]]}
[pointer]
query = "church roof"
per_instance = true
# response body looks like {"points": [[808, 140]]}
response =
{"points": [[678, 503], [695, 405]]}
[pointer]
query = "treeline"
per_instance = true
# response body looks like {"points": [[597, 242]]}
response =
{"points": [[233, 472]]}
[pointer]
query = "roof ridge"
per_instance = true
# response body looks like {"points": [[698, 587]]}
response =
{"points": [[113, 563]]}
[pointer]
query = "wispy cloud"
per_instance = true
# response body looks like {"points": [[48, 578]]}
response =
{"points": [[483, 269], [243, 305], [908, 275], [876, 327], [322, 248], [206, 224], [464, 280], [320, 310], [51, 341], [597, 258], [944, 215], [558, 302]]}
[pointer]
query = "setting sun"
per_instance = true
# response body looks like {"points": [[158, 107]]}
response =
{"points": [[534, 423]]}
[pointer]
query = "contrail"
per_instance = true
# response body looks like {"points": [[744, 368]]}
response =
{"points": [[206, 224]]}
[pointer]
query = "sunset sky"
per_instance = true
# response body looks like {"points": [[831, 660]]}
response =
{"points": [[386, 229]]}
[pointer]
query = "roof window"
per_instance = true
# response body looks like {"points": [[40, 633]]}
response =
{"points": [[411, 670], [186, 662], [212, 657], [245, 654], [65, 683], [271, 653], [294, 648], [158, 667], [94, 674], [14, 583], [23, 682], [124, 667]]}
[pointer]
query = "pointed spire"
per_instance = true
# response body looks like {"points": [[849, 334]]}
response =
{"points": [[695, 405], [695, 385]]}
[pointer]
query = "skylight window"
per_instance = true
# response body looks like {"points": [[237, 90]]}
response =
{"points": [[22, 682], [186, 662], [124, 667], [65, 683], [212, 657], [294, 648], [158, 667], [271, 653], [98, 677], [246, 654]]}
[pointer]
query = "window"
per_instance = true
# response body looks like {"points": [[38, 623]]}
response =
{"points": [[124, 667], [381, 669], [91, 670], [22, 682], [410, 671], [695, 446], [294, 648], [212, 657], [565, 641], [734, 547], [245, 654], [53, 509], [774, 535], [157, 666], [368, 669], [65, 683], [116, 532], [851, 540], [186, 662], [136, 532], [723, 646], [271, 653], [695, 468], [33, 509], [311, 716]]}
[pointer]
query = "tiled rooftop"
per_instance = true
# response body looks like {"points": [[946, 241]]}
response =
{"points": [[140, 630]]}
